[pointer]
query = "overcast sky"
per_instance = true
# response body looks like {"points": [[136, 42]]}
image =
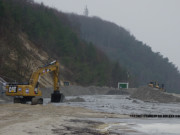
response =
{"points": [[155, 22]]}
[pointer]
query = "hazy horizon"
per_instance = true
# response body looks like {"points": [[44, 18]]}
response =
{"points": [[154, 22]]}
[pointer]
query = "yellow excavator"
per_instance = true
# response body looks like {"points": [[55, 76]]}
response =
{"points": [[156, 85], [23, 93], [153, 85]]}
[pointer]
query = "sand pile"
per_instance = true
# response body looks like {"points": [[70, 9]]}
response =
{"points": [[79, 90], [117, 92], [153, 95]]}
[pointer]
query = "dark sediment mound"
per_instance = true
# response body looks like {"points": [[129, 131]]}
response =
{"points": [[117, 92], [153, 95]]}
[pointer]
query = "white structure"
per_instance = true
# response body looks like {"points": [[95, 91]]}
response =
{"points": [[124, 85]]}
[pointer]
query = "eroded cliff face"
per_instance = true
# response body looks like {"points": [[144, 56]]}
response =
{"points": [[35, 58], [25, 59]]}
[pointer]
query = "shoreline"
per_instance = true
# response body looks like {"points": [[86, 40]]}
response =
{"points": [[19, 119]]}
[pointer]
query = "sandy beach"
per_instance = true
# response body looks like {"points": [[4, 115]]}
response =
{"points": [[25, 119]]}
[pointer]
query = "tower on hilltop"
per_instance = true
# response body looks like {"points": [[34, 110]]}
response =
{"points": [[86, 12]]}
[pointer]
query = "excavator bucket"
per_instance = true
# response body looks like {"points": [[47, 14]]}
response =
{"points": [[57, 97]]}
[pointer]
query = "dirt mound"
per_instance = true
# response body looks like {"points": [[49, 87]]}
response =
{"points": [[117, 92], [79, 90], [153, 95]]}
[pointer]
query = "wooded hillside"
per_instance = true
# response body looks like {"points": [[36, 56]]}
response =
{"points": [[80, 44], [137, 57], [50, 31]]}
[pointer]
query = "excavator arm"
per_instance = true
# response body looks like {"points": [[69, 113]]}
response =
{"points": [[52, 67]]}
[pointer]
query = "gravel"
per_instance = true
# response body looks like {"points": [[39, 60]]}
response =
{"points": [[149, 94]]}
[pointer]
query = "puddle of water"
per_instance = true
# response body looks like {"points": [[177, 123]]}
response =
{"points": [[159, 128], [150, 126]]}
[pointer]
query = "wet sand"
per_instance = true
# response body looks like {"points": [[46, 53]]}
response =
{"points": [[88, 115], [25, 119]]}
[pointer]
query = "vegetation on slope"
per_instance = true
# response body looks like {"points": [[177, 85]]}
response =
{"points": [[51, 31], [121, 46]]}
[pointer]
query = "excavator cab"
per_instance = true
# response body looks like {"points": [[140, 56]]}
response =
{"points": [[153, 85]]}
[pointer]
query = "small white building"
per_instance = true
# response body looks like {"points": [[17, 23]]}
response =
{"points": [[124, 85]]}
